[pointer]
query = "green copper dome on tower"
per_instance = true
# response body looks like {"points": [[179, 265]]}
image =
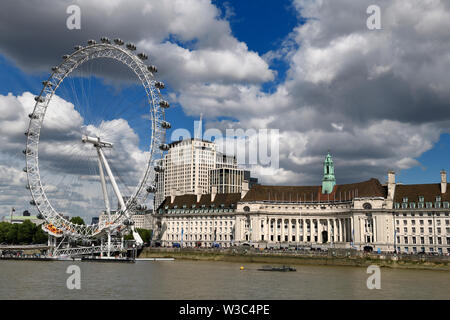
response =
{"points": [[329, 180]]}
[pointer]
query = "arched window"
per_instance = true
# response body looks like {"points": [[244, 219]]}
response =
{"points": [[367, 206]]}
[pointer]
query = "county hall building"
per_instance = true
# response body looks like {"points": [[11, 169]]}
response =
{"points": [[387, 217]]}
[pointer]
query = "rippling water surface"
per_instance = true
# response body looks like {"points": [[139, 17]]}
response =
{"points": [[213, 280]]}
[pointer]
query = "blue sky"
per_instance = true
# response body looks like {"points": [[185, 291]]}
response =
{"points": [[262, 25], [377, 99]]}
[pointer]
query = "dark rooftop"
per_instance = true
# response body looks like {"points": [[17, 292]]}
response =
{"points": [[414, 191], [228, 200], [370, 188]]}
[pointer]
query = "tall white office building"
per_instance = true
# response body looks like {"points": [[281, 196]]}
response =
{"points": [[185, 169]]}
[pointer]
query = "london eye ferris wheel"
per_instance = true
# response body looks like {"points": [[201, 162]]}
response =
{"points": [[106, 147]]}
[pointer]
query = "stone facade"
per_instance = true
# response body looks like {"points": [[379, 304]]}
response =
{"points": [[405, 218]]}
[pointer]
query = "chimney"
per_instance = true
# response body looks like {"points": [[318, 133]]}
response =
{"points": [[443, 181], [172, 195], [213, 193], [245, 188], [391, 184], [198, 193]]}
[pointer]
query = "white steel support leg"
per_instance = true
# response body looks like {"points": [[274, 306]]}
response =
{"points": [[103, 182], [136, 235], [102, 159], [105, 197], [113, 181]]}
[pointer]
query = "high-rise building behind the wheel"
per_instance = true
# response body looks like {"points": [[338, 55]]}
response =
{"points": [[194, 166]]}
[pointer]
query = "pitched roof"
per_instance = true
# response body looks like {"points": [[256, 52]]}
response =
{"points": [[370, 188], [228, 200], [414, 191]]}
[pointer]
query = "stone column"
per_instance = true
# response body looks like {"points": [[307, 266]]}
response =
{"points": [[275, 230], [319, 231], [329, 230], [289, 230], [363, 230], [374, 230], [352, 229], [335, 232], [304, 230], [338, 221]]}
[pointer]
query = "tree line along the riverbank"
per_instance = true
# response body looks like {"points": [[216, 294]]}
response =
{"points": [[29, 233], [24, 233]]}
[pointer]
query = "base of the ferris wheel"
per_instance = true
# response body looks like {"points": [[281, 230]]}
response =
{"points": [[116, 251]]}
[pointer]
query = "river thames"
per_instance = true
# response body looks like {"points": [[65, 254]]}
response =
{"points": [[213, 280]]}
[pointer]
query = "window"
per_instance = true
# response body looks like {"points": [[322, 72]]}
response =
{"points": [[367, 206], [421, 199], [438, 198], [405, 199]]}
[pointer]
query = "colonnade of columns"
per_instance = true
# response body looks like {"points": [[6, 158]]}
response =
{"points": [[309, 230]]}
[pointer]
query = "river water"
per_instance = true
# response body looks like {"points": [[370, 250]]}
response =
{"points": [[213, 280]]}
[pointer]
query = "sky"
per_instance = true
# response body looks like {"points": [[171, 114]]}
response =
{"points": [[310, 70]]}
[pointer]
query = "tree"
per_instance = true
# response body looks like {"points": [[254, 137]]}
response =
{"points": [[40, 236], [25, 232], [145, 234], [11, 236], [77, 220], [4, 229]]}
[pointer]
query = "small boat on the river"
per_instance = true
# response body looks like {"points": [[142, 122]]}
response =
{"points": [[282, 269]]}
